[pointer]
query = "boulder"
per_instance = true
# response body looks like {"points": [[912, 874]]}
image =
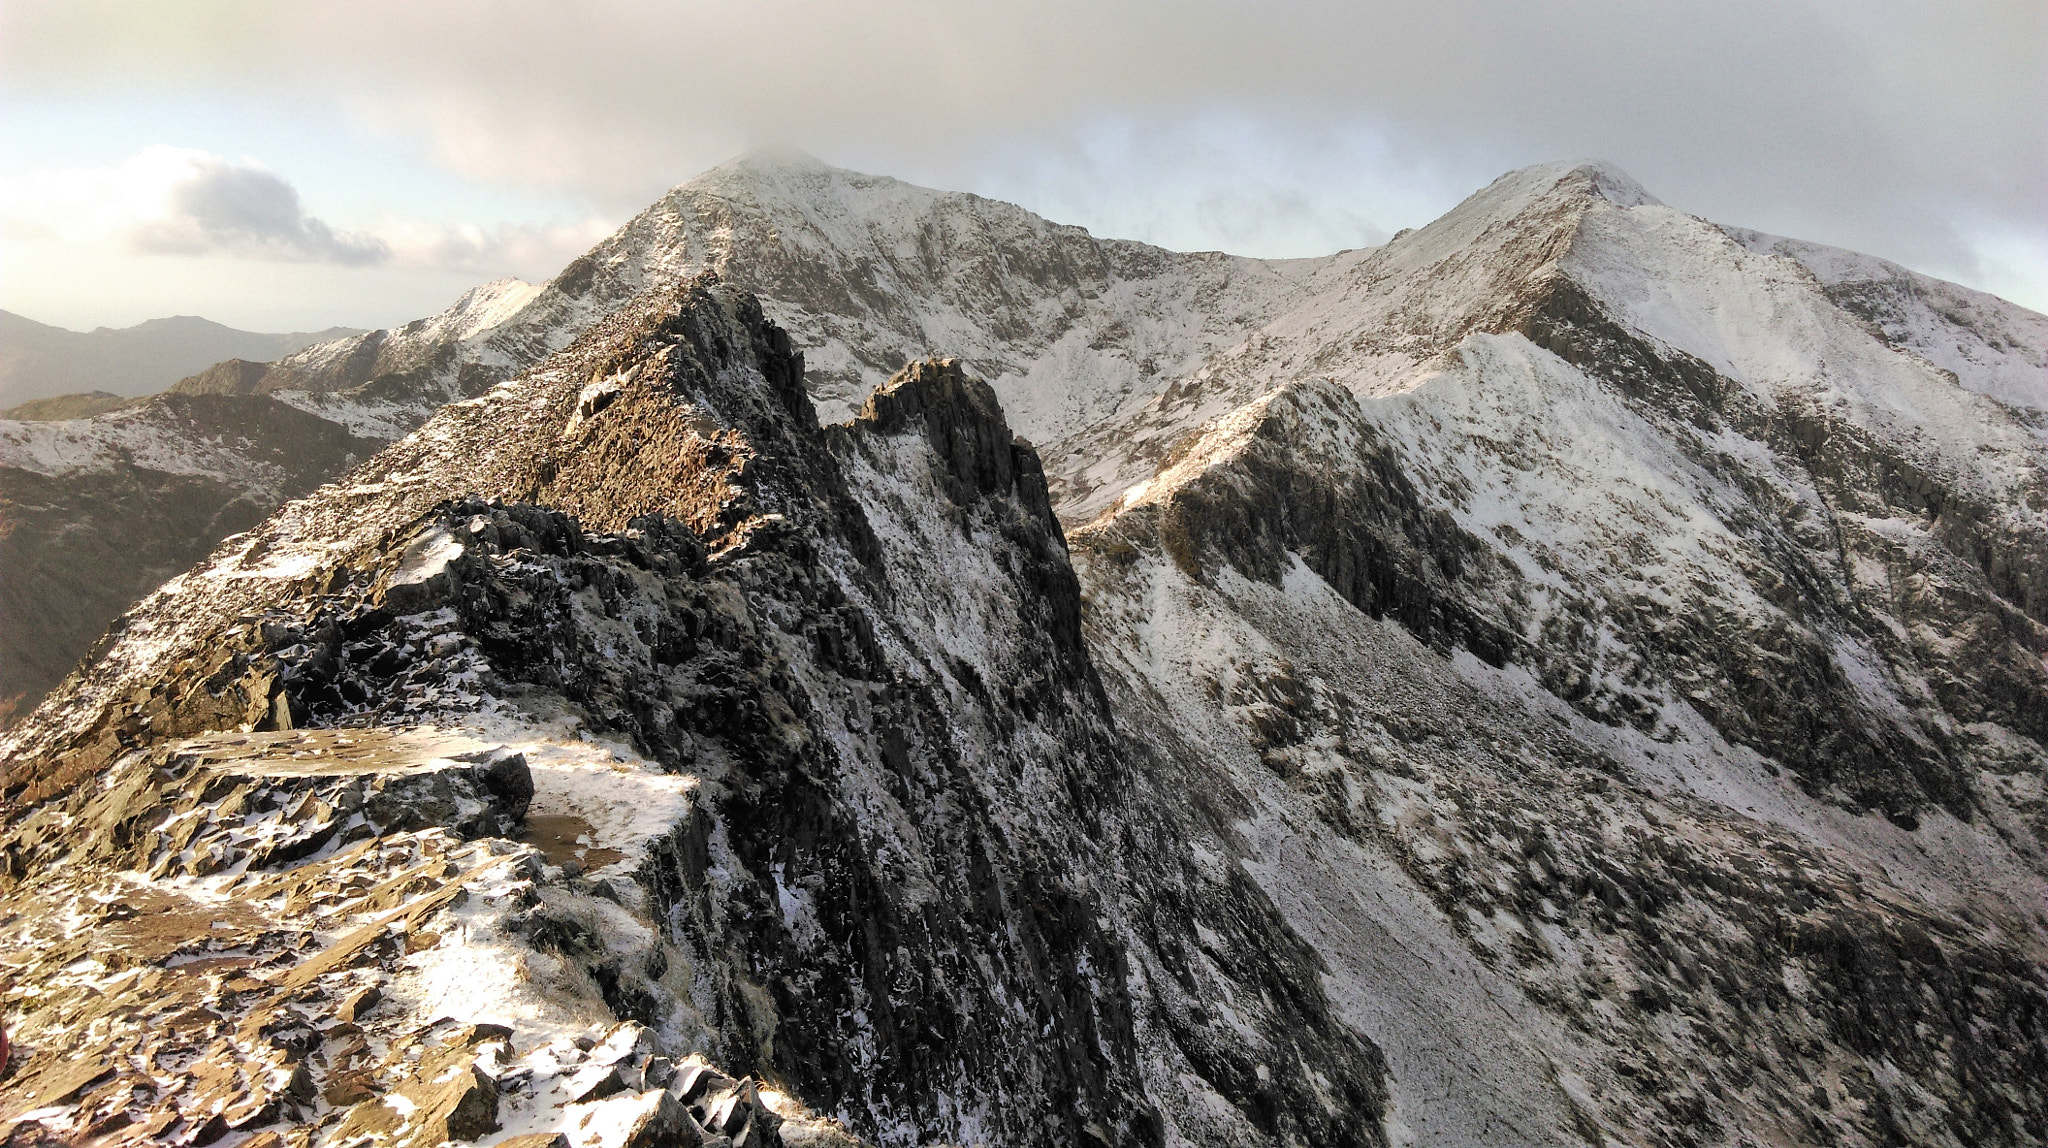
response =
{"points": [[650, 1119]]}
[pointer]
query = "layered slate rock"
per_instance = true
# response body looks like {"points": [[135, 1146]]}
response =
{"points": [[867, 832], [197, 939]]}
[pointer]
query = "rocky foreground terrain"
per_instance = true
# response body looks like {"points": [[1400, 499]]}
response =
{"points": [[1573, 675]]}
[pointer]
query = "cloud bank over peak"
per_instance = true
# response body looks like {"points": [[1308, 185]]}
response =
{"points": [[1907, 130]]}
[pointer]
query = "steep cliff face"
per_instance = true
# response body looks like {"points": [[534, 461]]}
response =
{"points": [[879, 844]]}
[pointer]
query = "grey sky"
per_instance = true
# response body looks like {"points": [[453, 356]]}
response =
{"points": [[1915, 131]]}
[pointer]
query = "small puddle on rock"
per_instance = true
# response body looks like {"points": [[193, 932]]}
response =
{"points": [[564, 837]]}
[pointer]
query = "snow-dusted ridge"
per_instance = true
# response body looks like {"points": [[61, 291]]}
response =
{"points": [[1571, 675], [868, 272], [1989, 345], [1732, 538]]}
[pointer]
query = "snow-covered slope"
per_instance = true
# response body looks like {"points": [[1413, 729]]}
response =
{"points": [[1623, 408], [868, 273], [1991, 346], [1685, 579]]}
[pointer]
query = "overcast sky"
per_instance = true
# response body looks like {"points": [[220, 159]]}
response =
{"points": [[295, 165]]}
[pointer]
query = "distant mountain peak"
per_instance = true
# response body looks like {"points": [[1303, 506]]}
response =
{"points": [[1611, 183], [1594, 178], [768, 165], [486, 305], [39, 361], [779, 159]]}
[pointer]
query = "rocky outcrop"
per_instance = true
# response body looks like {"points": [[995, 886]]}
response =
{"points": [[1337, 499], [255, 904]]}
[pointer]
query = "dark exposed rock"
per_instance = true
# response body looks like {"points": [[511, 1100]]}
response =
{"points": [[959, 415], [1351, 515]]}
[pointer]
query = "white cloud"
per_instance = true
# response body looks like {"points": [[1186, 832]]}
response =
{"points": [[1877, 125], [179, 201], [2008, 261], [177, 230], [529, 250], [1905, 129]]}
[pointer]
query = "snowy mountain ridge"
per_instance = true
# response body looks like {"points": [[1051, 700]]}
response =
{"points": [[1571, 675], [876, 272], [1990, 345]]}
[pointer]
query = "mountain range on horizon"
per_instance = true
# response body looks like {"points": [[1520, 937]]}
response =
{"points": [[39, 361], [845, 662]]}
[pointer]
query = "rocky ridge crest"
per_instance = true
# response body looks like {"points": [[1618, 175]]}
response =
{"points": [[877, 832]]}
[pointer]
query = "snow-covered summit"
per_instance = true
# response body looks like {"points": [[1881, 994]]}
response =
{"points": [[484, 307], [1607, 180], [750, 170]]}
